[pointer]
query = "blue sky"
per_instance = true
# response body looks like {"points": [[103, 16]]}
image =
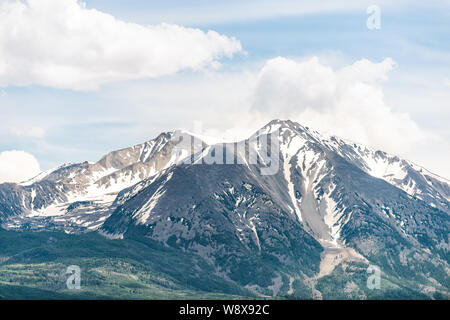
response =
{"points": [[58, 124]]}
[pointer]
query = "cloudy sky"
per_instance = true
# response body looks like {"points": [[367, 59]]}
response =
{"points": [[79, 79]]}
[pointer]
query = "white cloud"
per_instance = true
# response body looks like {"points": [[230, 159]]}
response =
{"points": [[62, 44], [349, 103], [31, 132], [17, 166]]}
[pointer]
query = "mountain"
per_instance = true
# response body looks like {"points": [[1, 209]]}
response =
{"points": [[307, 228], [78, 197]]}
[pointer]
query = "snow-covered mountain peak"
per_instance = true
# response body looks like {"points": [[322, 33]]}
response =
{"points": [[70, 190], [310, 145], [281, 125]]}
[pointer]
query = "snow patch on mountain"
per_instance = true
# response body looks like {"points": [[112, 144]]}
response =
{"points": [[143, 216]]}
